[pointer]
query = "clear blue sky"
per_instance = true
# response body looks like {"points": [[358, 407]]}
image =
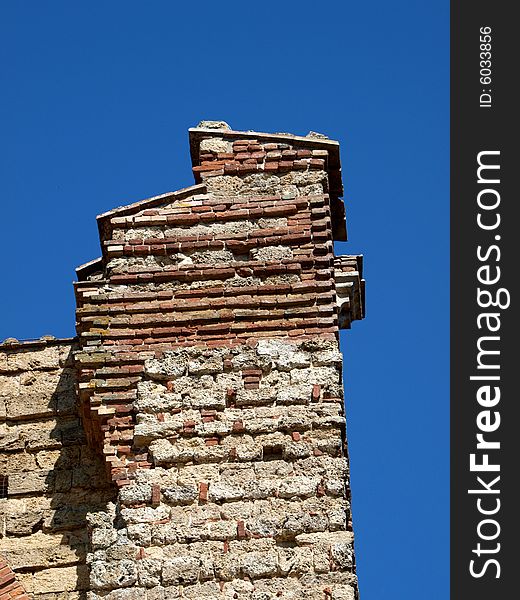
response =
{"points": [[96, 101]]}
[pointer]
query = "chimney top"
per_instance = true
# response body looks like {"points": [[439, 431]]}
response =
{"points": [[220, 130], [313, 140]]}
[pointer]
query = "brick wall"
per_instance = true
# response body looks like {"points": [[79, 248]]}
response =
{"points": [[209, 411], [210, 374]]}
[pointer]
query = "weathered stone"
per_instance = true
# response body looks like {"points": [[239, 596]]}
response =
{"points": [[39, 551], [31, 482], [144, 514], [34, 360], [149, 572], [212, 125], [18, 461], [271, 253], [113, 575], [181, 494], [259, 564], [136, 494], [103, 537], [66, 579], [181, 570], [23, 523], [139, 533]]}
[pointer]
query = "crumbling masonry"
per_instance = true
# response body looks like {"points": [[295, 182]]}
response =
{"points": [[190, 441]]}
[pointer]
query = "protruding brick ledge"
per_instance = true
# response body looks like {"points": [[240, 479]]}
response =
{"points": [[350, 289]]}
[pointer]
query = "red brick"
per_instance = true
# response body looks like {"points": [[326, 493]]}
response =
{"points": [[208, 412], [221, 273], [251, 385], [252, 371], [300, 165], [203, 492], [183, 219], [156, 494], [122, 482], [245, 168], [8, 577], [238, 426], [241, 530], [317, 163], [240, 247], [281, 210], [231, 168]]}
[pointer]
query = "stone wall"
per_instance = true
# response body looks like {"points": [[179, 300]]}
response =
{"points": [[53, 478], [190, 443], [210, 373], [248, 497]]}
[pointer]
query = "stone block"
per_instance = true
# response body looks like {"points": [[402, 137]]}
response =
{"points": [[259, 564], [40, 551], [31, 482], [57, 580], [110, 576], [180, 570], [22, 523], [35, 359]]}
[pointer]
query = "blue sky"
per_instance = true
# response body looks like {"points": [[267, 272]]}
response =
{"points": [[96, 101]]}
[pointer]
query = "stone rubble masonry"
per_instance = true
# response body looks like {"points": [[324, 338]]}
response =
{"points": [[54, 477], [208, 382]]}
